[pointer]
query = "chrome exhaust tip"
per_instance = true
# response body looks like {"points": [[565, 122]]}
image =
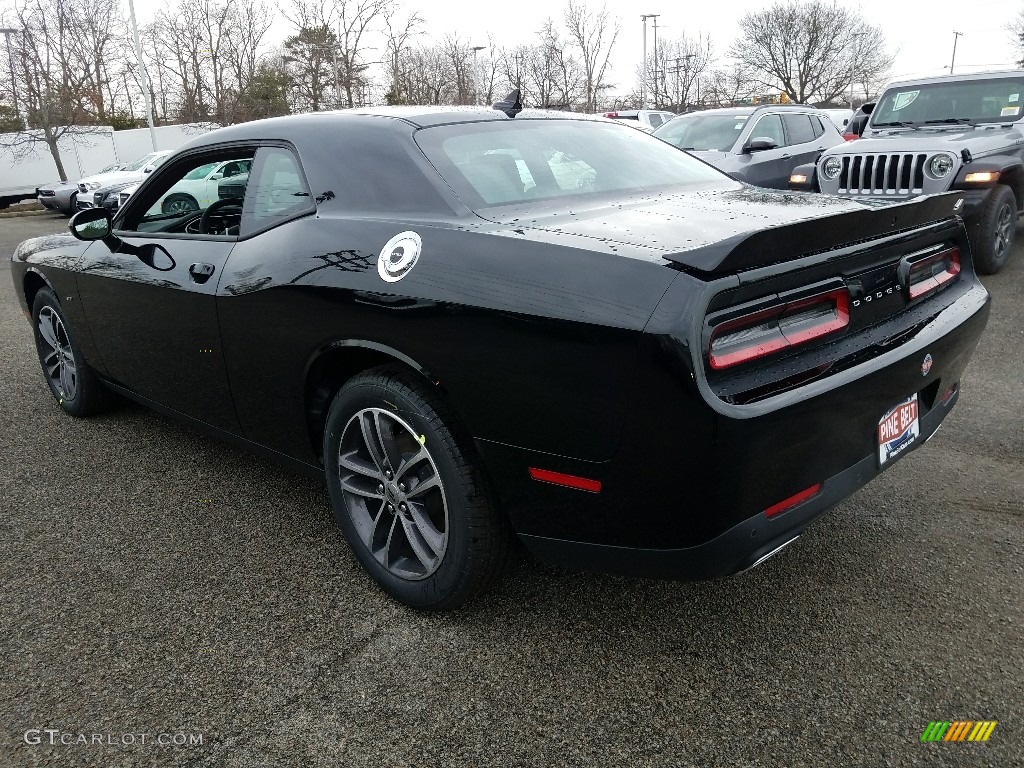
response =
{"points": [[774, 552]]}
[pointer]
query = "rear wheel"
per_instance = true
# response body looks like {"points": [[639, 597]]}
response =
{"points": [[407, 491], [993, 231], [72, 382]]}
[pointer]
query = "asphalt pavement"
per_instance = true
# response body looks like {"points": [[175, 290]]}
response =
{"points": [[161, 586]]}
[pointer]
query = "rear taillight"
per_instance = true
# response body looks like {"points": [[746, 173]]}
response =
{"points": [[611, 114], [929, 274], [770, 330], [850, 136]]}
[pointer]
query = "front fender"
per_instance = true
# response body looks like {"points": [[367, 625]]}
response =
{"points": [[809, 172]]}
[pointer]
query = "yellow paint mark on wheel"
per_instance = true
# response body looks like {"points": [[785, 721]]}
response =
{"points": [[423, 439]]}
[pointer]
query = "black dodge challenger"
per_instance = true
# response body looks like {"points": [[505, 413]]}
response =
{"points": [[480, 324]]}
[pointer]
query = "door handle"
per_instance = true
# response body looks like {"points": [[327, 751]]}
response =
{"points": [[200, 272], [786, 156]]}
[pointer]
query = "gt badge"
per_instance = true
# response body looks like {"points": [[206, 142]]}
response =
{"points": [[926, 364], [399, 256]]}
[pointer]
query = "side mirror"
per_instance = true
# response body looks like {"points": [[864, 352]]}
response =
{"points": [[148, 169], [91, 224], [760, 144], [217, 177]]}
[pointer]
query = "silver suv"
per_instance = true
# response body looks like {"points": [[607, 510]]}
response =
{"points": [[758, 145], [936, 134]]}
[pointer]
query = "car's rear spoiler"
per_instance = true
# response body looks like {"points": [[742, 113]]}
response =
{"points": [[787, 242]]}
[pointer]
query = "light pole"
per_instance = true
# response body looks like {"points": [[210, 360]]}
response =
{"points": [[643, 77], [956, 36], [476, 89], [146, 93], [853, 62], [10, 63]]}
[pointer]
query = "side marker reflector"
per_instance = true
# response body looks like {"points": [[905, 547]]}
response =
{"points": [[792, 501], [569, 481]]}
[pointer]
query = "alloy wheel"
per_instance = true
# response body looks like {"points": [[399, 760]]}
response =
{"points": [[393, 493], [56, 354], [1004, 230]]}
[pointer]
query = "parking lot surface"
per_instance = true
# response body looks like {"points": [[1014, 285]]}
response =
{"points": [[161, 584]]}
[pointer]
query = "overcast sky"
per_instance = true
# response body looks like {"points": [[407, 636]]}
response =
{"points": [[919, 31]]}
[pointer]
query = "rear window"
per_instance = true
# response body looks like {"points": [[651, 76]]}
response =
{"points": [[502, 163]]}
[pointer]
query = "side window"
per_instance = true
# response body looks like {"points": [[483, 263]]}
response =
{"points": [[274, 190], [798, 127], [180, 194], [817, 125], [769, 127], [655, 119]]}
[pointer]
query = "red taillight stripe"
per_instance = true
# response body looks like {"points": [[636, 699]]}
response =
{"points": [[569, 481], [792, 501], [773, 337], [932, 282]]}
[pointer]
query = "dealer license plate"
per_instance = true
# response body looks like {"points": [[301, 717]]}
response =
{"points": [[898, 430]]}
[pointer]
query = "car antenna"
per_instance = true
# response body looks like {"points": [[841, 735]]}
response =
{"points": [[511, 105]]}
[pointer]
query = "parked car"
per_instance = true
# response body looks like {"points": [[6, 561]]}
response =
{"points": [[659, 371], [199, 188], [840, 117], [644, 119], [132, 172], [935, 134], [59, 196], [758, 145], [855, 127], [105, 196], [124, 194]]}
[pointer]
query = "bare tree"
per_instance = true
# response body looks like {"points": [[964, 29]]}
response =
{"points": [[399, 35], [806, 49], [54, 88], [1016, 30], [729, 86], [594, 34], [674, 74], [203, 53]]}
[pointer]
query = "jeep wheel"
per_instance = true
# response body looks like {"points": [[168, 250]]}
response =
{"points": [[993, 231]]}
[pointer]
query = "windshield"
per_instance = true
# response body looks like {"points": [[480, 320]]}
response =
{"points": [[703, 132], [991, 100], [501, 163], [201, 172], [141, 163]]}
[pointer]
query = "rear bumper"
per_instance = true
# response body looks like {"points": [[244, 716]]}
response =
{"points": [[743, 546]]}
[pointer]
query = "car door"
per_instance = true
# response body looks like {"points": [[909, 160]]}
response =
{"points": [[805, 139], [766, 167], [148, 292]]}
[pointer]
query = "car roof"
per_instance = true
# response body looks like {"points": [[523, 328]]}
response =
{"points": [[314, 123], [993, 74], [747, 111]]}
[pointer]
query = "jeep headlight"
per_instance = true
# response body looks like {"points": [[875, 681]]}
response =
{"points": [[831, 167], [92, 185], [940, 166]]}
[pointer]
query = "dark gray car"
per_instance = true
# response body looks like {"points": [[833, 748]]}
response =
{"points": [[758, 145], [961, 133]]}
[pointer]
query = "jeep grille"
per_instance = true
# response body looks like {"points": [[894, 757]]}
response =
{"points": [[896, 174]]}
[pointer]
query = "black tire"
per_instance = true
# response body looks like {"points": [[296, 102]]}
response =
{"points": [[993, 230], [179, 202], [477, 538], [73, 384]]}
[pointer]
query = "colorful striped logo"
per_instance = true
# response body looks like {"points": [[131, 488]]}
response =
{"points": [[959, 730]]}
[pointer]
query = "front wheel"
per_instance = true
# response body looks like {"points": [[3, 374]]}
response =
{"points": [[408, 493], [72, 382], [993, 231], [179, 202]]}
